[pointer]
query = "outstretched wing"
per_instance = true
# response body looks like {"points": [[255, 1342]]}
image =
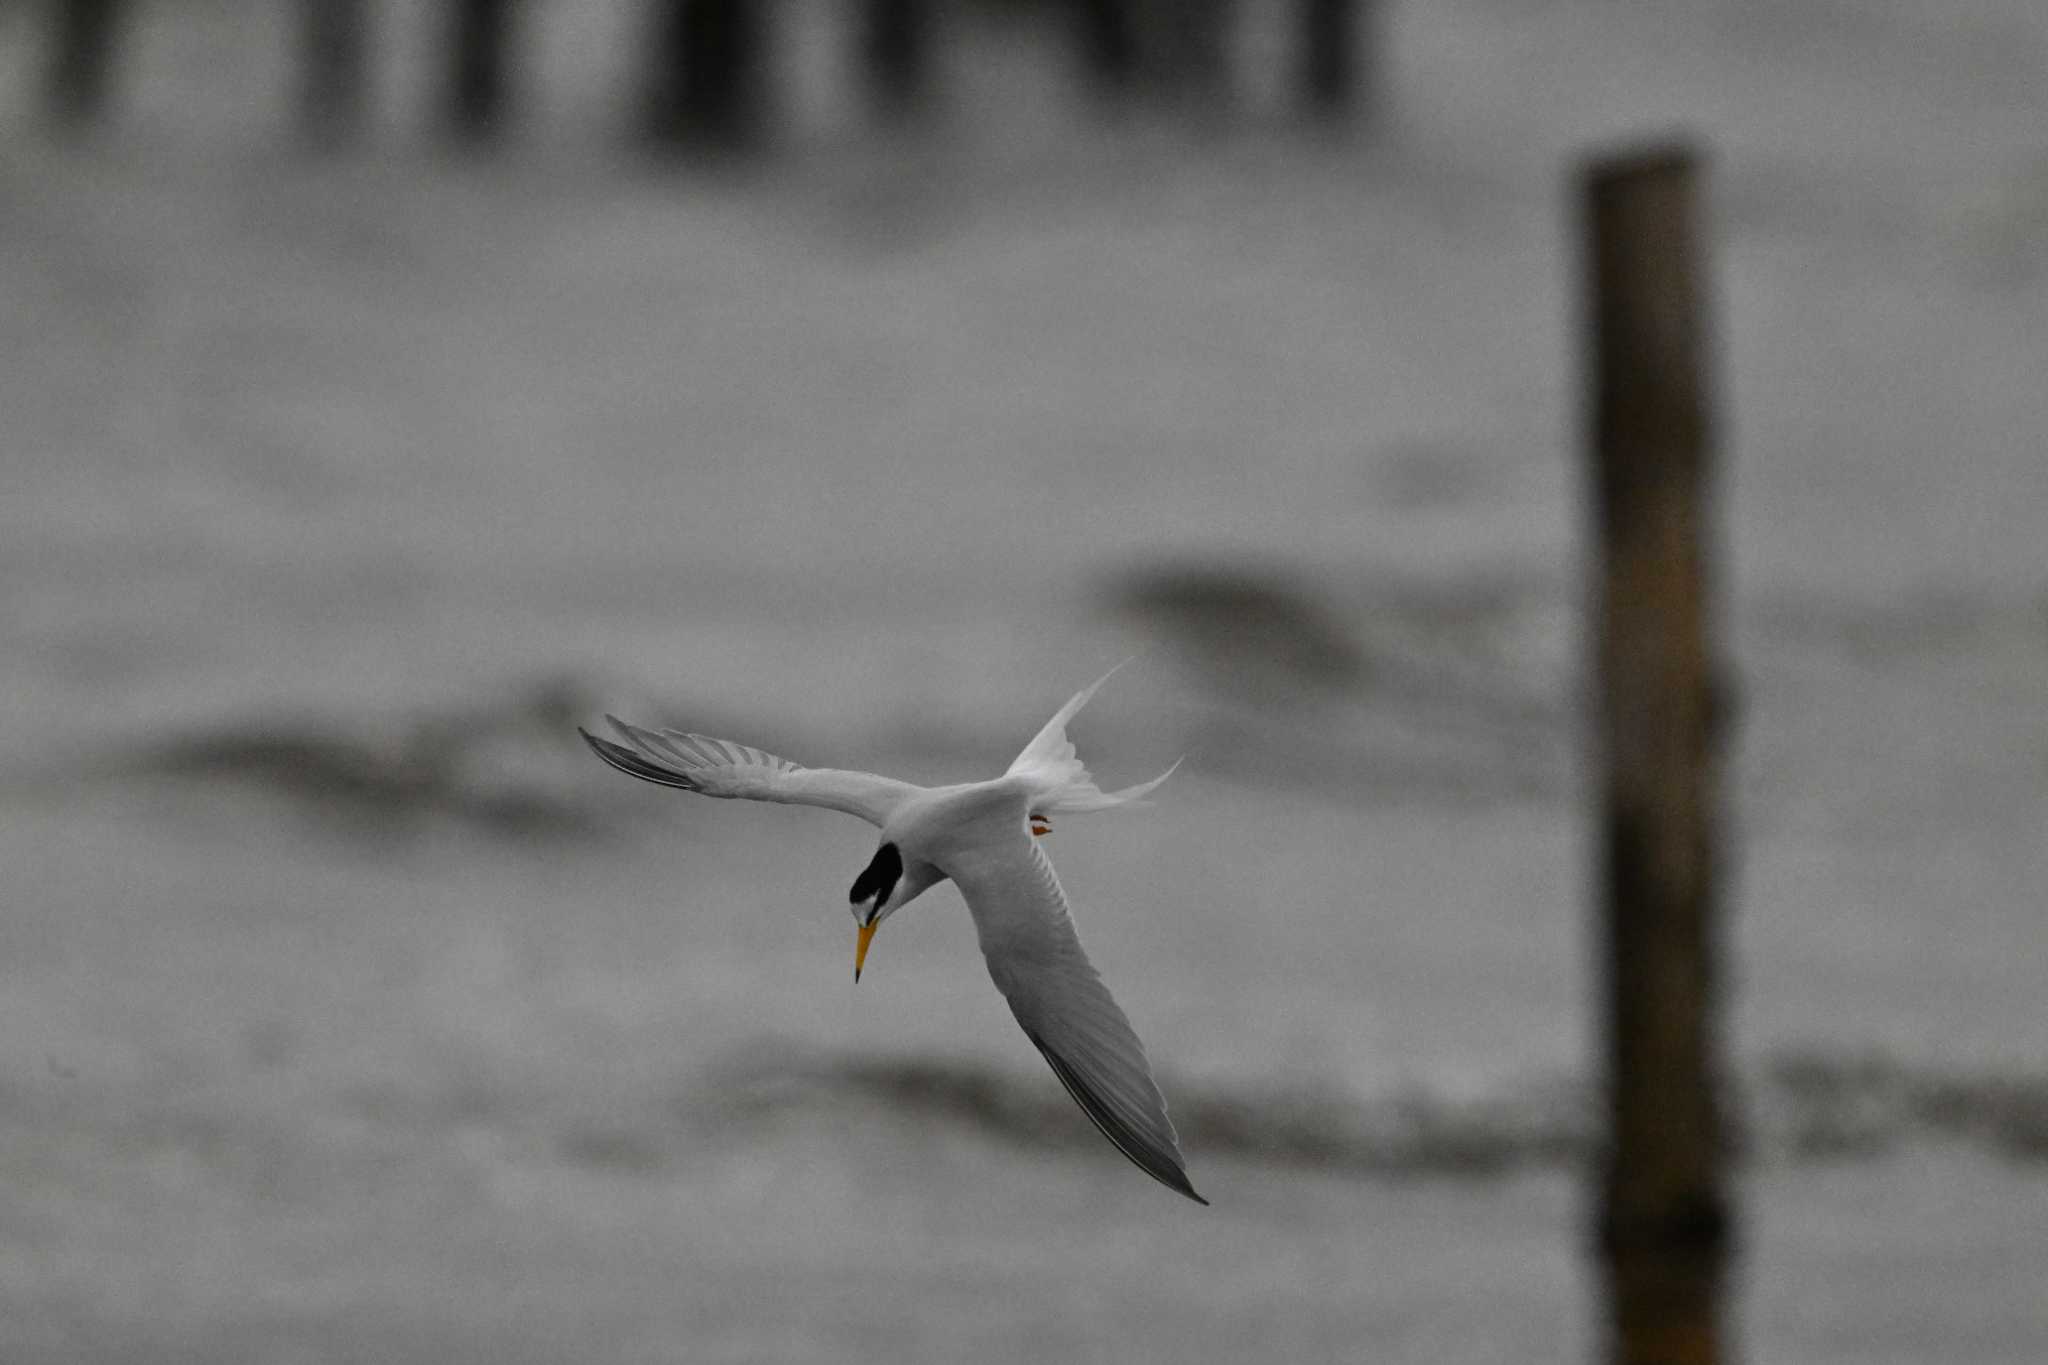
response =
{"points": [[719, 767], [1035, 958]]}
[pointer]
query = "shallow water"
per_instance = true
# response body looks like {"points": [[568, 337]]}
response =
{"points": [[353, 1011]]}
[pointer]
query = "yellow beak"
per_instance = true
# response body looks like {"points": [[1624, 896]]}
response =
{"points": [[860, 946]]}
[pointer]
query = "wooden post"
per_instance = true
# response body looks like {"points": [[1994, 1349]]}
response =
{"points": [[333, 94], [479, 40], [896, 48], [707, 79], [1184, 53], [1664, 1222], [1109, 44], [1328, 56], [81, 57]]}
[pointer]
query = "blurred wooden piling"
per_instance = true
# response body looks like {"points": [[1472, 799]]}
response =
{"points": [[1328, 57], [334, 70], [896, 48], [1108, 34], [706, 65], [480, 42], [1664, 1225], [1170, 52], [707, 74], [85, 35], [1185, 50]]}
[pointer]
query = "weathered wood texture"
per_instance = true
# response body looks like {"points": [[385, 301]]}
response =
{"points": [[1664, 1224]]}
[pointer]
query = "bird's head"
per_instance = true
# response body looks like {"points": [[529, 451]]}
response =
{"points": [[884, 886]]}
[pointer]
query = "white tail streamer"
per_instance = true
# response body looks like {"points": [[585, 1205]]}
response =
{"points": [[1060, 781]]}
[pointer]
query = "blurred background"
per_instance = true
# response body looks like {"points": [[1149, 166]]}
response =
{"points": [[367, 427]]}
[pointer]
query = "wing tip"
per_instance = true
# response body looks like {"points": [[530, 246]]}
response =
{"points": [[1163, 1165], [1181, 1186], [633, 763]]}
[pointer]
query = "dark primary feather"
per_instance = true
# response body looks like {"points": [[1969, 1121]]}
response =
{"points": [[632, 764], [1146, 1156]]}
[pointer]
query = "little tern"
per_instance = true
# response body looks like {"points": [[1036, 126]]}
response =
{"points": [[982, 837]]}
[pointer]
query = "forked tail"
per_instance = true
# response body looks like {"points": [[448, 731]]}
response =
{"points": [[1059, 779]]}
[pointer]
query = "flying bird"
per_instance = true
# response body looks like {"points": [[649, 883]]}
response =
{"points": [[983, 837]]}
